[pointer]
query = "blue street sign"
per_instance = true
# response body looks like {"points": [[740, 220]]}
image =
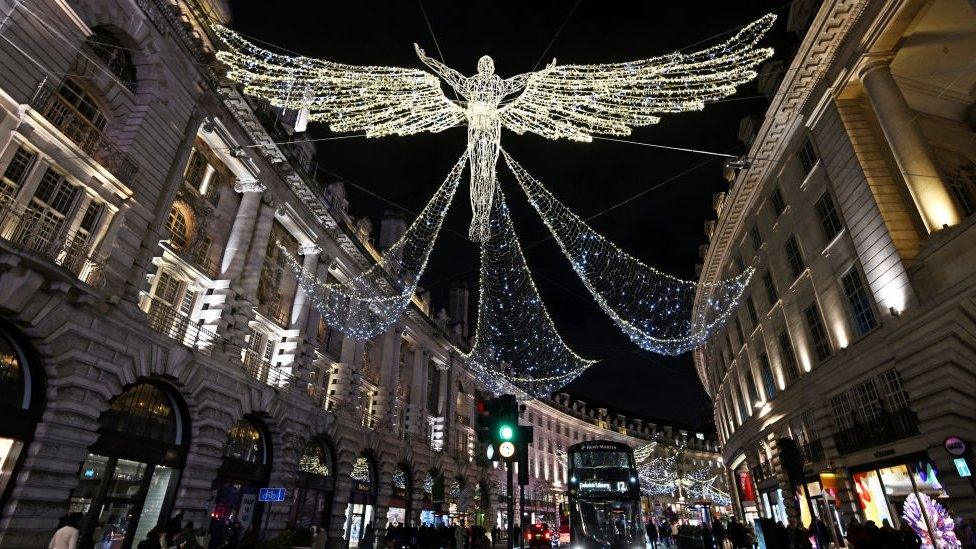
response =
{"points": [[962, 467], [271, 494]]}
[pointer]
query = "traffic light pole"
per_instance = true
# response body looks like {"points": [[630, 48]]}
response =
{"points": [[522, 514], [511, 506]]}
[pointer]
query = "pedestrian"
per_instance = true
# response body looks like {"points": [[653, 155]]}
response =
{"points": [[320, 537], [460, 536], [707, 539], [888, 537], [155, 539], [666, 532], [496, 535], [66, 536], [909, 539], [821, 533], [652, 533], [173, 528], [718, 532], [187, 538], [369, 537]]}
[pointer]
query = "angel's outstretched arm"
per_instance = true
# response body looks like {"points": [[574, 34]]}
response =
{"points": [[451, 76], [517, 82]]}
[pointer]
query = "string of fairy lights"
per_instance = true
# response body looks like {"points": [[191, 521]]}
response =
{"points": [[369, 304], [516, 347], [655, 309]]}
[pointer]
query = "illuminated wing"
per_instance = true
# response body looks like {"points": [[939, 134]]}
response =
{"points": [[376, 100], [580, 101]]}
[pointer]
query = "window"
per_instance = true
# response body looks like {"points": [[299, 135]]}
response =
{"points": [[829, 220], [116, 57], [143, 411], [751, 308], [40, 226], [776, 199], [794, 256], [756, 237], [751, 386], [245, 443], [15, 174], [771, 294], [891, 386], [818, 334], [769, 382], [790, 365], [75, 113], [179, 228], [738, 329], [862, 315], [842, 411], [739, 265], [807, 156]]}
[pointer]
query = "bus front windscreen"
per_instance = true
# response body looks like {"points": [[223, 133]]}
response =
{"points": [[603, 459], [606, 524]]}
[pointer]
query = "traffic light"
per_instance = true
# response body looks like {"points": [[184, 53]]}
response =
{"points": [[505, 432]]}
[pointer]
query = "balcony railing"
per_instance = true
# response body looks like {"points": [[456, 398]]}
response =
{"points": [[89, 138], [888, 427], [763, 470], [262, 370], [166, 319], [33, 231], [811, 452]]}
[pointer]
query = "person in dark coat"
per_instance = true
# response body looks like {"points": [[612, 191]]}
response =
{"points": [[652, 534], [718, 532], [737, 534], [821, 533]]}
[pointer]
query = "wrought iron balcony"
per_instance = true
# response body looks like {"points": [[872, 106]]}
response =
{"points": [[763, 470], [888, 427], [262, 370], [32, 231], [270, 306], [812, 452], [90, 138], [166, 319]]}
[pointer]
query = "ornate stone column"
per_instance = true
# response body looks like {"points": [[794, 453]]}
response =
{"points": [[907, 144], [418, 394], [301, 304], [389, 375], [240, 233]]}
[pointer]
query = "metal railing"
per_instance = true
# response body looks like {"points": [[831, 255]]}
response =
{"points": [[168, 320], [81, 132], [887, 427], [763, 470], [262, 370], [811, 452], [31, 230]]}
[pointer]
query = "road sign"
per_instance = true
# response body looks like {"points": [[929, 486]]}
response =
{"points": [[271, 494]]}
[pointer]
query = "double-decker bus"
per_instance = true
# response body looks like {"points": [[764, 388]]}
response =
{"points": [[604, 496]]}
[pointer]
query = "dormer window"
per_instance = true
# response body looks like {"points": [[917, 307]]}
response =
{"points": [[116, 57]]}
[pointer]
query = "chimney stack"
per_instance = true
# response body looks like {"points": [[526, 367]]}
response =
{"points": [[391, 228], [458, 305]]}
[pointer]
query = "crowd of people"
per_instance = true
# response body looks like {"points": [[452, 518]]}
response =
{"points": [[426, 536]]}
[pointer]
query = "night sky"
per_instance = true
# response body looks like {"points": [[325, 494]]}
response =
{"points": [[663, 227]]}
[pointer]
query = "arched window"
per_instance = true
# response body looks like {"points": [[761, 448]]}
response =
{"points": [[13, 377], [245, 443], [126, 485], [143, 411], [315, 459], [116, 57], [179, 227], [20, 403]]}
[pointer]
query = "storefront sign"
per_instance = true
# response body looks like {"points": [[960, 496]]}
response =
{"points": [[955, 446], [962, 467], [884, 453], [746, 492]]}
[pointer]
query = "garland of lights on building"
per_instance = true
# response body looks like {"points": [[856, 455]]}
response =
{"points": [[516, 346]]}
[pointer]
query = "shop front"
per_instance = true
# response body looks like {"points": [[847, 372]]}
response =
{"points": [[432, 502], [746, 491], [312, 497], [817, 500], [399, 511], [360, 511], [21, 402], [127, 483], [905, 490], [482, 504], [245, 468]]}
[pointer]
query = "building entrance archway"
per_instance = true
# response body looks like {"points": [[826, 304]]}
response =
{"points": [[245, 469]]}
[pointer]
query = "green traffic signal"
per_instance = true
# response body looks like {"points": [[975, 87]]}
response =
{"points": [[506, 432]]}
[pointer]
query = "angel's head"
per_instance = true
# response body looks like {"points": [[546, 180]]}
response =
{"points": [[486, 65]]}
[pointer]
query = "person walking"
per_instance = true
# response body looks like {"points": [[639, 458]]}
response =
{"points": [[718, 532], [66, 536], [369, 537], [652, 533]]}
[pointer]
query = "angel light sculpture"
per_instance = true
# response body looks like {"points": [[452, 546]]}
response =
{"points": [[560, 101], [516, 347]]}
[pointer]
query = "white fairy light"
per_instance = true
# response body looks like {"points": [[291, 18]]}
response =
{"points": [[655, 309], [571, 101], [516, 346], [370, 303]]}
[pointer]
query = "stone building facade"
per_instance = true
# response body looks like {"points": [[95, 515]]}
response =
{"points": [[851, 361], [156, 354]]}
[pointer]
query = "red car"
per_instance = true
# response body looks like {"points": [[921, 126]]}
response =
{"points": [[538, 535]]}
